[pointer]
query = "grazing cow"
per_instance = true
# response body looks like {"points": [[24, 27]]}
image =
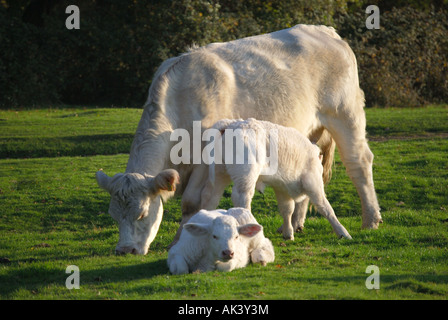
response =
{"points": [[222, 240], [303, 77], [297, 172], [135, 199]]}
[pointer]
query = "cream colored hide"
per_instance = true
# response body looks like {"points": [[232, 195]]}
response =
{"points": [[220, 240], [297, 171], [136, 206], [303, 77]]}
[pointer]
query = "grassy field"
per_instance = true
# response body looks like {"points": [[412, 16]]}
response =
{"points": [[53, 214]]}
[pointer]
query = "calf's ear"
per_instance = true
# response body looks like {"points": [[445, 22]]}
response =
{"points": [[196, 229], [103, 180], [166, 181], [250, 229]]}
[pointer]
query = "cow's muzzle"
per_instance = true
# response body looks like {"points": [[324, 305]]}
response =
{"points": [[125, 250]]}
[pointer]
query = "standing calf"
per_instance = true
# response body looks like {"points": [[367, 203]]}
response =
{"points": [[219, 239], [298, 173]]}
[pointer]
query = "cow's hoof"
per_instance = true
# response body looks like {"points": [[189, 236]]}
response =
{"points": [[288, 237]]}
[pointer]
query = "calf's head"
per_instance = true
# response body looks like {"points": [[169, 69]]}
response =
{"points": [[137, 206], [223, 235]]}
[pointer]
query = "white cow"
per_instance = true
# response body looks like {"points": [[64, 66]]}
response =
{"points": [[220, 240], [131, 196], [303, 77], [297, 173]]}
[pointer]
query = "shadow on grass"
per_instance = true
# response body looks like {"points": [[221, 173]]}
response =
{"points": [[35, 277], [434, 286], [82, 145]]}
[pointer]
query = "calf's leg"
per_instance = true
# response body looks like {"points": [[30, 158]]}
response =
{"points": [[177, 264], [299, 215], [314, 188], [286, 208]]}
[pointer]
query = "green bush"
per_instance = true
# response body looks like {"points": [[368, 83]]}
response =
{"points": [[404, 63], [26, 75], [112, 58]]}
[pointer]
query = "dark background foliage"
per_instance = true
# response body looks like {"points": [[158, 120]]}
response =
{"points": [[111, 59]]}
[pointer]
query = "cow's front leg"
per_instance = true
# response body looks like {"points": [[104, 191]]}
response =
{"points": [[212, 193], [191, 198]]}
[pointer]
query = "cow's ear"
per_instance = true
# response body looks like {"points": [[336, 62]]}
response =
{"points": [[103, 180], [165, 181], [196, 229], [250, 229]]}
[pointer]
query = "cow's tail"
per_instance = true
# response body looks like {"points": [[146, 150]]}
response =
{"points": [[327, 147]]}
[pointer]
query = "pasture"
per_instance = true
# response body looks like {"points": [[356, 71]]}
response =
{"points": [[53, 214]]}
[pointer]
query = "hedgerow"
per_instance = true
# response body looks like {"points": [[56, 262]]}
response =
{"points": [[112, 58]]}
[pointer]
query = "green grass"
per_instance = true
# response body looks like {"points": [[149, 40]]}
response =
{"points": [[52, 215], [66, 132]]}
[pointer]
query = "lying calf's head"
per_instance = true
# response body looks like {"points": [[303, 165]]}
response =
{"points": [[223, 235], [136, 205]]}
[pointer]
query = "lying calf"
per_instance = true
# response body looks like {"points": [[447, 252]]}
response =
{"points": [[298, 170], [222, 240]]}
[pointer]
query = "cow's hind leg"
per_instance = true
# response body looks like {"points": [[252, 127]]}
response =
{"points": [[349, 133], [359, 169]]}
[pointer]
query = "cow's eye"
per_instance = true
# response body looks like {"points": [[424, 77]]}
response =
{"points": [[215, 237], [141, 216], [236, 237]]}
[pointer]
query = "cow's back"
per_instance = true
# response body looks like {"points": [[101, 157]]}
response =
{"points": [[285, 77]]}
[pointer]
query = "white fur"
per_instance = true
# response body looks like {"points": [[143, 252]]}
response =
{"points": [[303, 77], [209, 234], [298, 174], [136, 206]]}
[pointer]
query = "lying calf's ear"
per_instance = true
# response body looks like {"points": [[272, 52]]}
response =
{"points": [[250, 229], [166, 181], [196, 229]]}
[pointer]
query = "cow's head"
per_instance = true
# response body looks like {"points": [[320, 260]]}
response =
{"points": [[137, 206], [223, 235]]}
